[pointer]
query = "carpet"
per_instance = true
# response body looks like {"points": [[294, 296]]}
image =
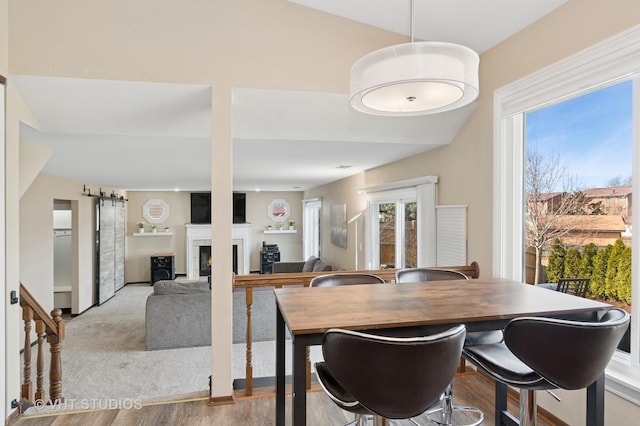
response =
{"points": [[104, 356]]}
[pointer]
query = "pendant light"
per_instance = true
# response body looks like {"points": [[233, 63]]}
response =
{"points": [[415, 78]]}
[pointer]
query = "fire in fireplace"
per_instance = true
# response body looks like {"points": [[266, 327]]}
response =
{"points": [[205, 260]]}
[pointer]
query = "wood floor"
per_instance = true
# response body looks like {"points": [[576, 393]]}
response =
{"points": [[469, 389]]}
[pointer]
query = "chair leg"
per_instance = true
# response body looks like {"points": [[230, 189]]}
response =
{"points": [[444, 415], [528, 407], [361, 420], [380, 421]]}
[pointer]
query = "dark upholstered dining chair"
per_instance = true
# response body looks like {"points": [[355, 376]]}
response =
{"points": [[444, 415], [528, 357], [337, 279], [330, 280], [409, 275], [576, 286], [388, 377]]}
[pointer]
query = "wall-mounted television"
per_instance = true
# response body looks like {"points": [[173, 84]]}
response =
{"points": [[201, 207]]}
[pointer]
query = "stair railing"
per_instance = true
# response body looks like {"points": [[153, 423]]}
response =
{"points": [[50, 327]]}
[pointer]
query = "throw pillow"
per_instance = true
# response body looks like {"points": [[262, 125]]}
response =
{"points": [[321, 267], [309, 264]]}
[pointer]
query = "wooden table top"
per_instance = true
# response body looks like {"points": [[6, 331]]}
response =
{"points": [[368, 306]]}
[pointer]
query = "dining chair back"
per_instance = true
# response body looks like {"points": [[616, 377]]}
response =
{"points": [[330, 280], [576, 286], [390, 377], [588, 345], [445, 413], [408, 275], [528, 357]]}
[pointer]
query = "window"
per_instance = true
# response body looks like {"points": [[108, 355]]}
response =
{"points": [[395, 236], [311, 227], [603, 65], [578, 168], [400, 224]]}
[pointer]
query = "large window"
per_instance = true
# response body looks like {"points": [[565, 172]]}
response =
{"points": [[611, 65], [578, 192]]}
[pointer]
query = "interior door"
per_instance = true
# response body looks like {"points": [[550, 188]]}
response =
{"points": [[106, 250]]}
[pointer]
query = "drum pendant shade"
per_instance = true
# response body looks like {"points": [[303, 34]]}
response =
{"points": [[416, 78]]}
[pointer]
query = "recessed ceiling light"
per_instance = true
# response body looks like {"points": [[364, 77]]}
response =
{"points": [[344, 166]]}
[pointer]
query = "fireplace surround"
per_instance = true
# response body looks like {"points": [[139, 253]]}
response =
{"points": [[200, 235]]}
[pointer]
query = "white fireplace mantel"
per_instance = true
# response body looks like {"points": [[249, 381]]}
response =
{"points": [[240, 234]]}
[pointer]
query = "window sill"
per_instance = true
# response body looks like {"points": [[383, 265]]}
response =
{"points": [[151, 234], [623, 379]]}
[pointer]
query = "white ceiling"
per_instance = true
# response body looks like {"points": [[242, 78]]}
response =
{"points": [[156, 136]]}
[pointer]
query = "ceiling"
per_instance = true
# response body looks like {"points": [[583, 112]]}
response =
{"points": [[157, 136]]}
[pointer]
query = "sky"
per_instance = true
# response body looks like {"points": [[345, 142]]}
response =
{"points": [[590, 134]]}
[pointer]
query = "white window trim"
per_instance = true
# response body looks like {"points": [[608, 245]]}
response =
{"points": [[616, 58], [423, 191], [311, 212]]}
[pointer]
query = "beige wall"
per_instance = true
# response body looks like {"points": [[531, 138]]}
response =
{"points": [[5, 359], [36, 240], [290, 245], [275, 44], [140, 248], [4, 38], [344, 191]]}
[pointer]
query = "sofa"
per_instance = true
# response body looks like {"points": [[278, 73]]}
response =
{"points": [[178, 315], [313, 264]]}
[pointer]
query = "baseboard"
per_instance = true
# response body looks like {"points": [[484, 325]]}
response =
{"points": [[13, 418], [221, 400], [261, 382]]}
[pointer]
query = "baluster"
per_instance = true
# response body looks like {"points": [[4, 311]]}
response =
{"points": [[27, 317], [249, 355], [55, 372], [40, 332]]}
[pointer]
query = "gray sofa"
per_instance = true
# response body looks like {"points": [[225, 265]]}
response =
{"points": [[313, 264], [178, 315]]}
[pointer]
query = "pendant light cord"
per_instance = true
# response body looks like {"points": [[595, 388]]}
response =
{"points": [[411, 22]]}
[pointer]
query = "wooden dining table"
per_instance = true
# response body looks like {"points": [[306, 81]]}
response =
{"points": [[413, 309]]}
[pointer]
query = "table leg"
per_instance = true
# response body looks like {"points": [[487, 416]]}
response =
{"points": [[501, 402], [280, 369], [299, 382], [595, 402]]}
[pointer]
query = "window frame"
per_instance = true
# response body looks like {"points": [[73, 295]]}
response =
{"points": [[311, 235], [614, 59], [422, 190]]}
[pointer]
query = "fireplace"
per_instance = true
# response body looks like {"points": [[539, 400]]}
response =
{"points": [[205, 260], [200, 235], [204, 255]]}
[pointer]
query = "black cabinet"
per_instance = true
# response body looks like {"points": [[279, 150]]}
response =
{"points": [[163, 267], [270, 253]]}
